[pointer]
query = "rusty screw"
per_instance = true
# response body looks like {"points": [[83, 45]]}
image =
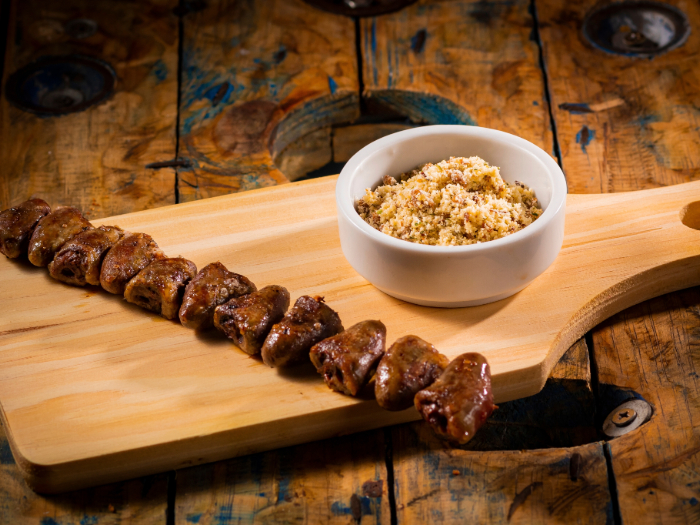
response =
{"points": [[624, 416], [635, 38], [80, 28], [357, 4], [627, 417]]}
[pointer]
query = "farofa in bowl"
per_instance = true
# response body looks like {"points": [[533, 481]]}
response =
{"points": [[455, 202]]}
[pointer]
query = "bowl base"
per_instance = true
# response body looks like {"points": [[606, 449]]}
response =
{"points": [[455, 304]]}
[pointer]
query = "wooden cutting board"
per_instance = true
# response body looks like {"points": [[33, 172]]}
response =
{"points": [[94, 389]]}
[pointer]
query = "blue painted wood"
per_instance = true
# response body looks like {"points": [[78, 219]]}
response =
{"points": [[141, 501], [459, 62], [336, 481], [256, 76]]}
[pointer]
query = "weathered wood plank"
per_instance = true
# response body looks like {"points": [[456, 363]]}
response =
{"points": [[653, 350], [138, 502], [435, 483], [341, 480], [257, 76], [308, 153], [623, 123], [348, 140], [337, 144], [459, 62], [95, 159]]}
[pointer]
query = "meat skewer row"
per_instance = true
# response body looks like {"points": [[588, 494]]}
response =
{"points": [[247, 320], [347, 360], [53, 231], [212, 286], [131, 254], [79, 261], [454, 398], [17, 225], [160, 285], [308, 322]]}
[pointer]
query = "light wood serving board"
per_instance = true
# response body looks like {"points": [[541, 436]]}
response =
{"points": [[94, 389]]}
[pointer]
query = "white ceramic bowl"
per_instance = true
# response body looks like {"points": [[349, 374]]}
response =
{"points": [[451, 276]]}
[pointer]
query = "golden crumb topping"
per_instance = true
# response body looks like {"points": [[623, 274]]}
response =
{"points": [[452, 203]]}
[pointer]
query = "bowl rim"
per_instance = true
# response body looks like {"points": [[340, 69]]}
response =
{"points": [[554, 172]]}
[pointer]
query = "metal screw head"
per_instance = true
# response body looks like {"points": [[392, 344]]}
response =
{"points": [[56, 85], [62, 99], [355, 4], [634, 38], [628, 416], [80, 28], [624, 416], [360, 8], [636, 28]]}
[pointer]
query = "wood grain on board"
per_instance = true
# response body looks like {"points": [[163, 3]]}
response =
{"points": [[178, 398], [623, 123], [95, 159], [336, 481], [459, 62], [256, 77], [653, 351]]}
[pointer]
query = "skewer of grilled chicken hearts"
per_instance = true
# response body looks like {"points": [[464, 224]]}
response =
{"points": [[160, 285], [53, 231], [308, 322], [17, 226], [247, 320], [212, 286], [79, 261]]}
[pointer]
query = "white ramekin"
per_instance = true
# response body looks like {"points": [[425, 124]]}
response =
{"points": [[451, 276]]}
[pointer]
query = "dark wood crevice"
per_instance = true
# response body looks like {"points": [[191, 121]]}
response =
{"points": [[612, 487], [390, 481], [537, 37], [4, 32], [182, 10], [172, 496]]}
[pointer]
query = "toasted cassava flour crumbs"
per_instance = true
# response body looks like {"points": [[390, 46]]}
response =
{"points": [[452, 203]]}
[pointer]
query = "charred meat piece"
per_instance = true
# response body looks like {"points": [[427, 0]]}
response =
{"points": [[248, 319], [347, 360], [409, 365], [17, 225], [308, 322], [53, 231], [160, 285], [127, 257], [80, 260], [211, 287], [460, 400]]}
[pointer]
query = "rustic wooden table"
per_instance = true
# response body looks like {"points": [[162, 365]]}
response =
{"points": [[218, 96]]}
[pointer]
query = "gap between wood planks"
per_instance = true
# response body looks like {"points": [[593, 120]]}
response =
{"points": [[4, 30], [545, 80], [172, 496], [595, 382], [180, 57]]}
